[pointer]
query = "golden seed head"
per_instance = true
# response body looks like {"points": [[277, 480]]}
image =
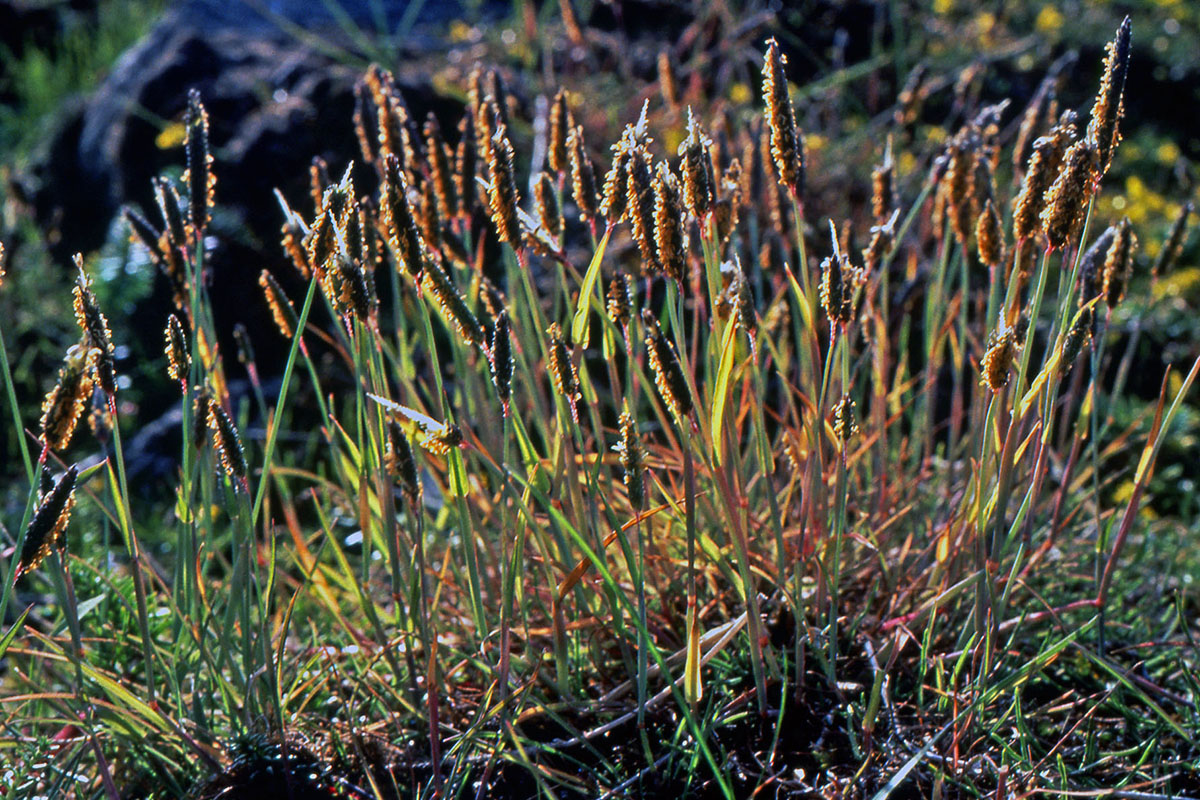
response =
{"points": [[401, 464], [998, 360], [464, 166], [142, 232], [1042, 110], [844, 423], [725, 212], [46, 529], [633, 461], [787, 146], [365, 123], [545, 200], [3, 262], [64, 404], [640, 194], [989, 235], [583, 175], [227, 441], [292, 239], [668, 374], [398, 219], [95, 328], [442, 440], [1091, 265], [669, 238], [322, 246], [493, 299], [281, 307], [171, 208], [1103, 129], [439, 284], [883, 187], [837, 289], [1118, 263], [487, 122], [666, 79], [199, 176], [501, 357], [1172, 247], [318, 182], [912, 94], [429, 218], [699, 181], [438, 162], [882, 238], [560, 122], [562, 369], [616, 187], [1044, 166], [958, 184], [1078, 335], [179, 360], [1068, 196], [503, 199], [620, 299]]}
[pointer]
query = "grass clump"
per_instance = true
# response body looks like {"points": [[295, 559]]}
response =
{"points": [[678, 492]]}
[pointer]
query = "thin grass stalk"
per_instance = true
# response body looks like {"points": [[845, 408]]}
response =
{"points": [[839, 519], [120, 491], [281, 402]]}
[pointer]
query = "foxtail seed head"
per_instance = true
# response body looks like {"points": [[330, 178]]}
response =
{"points": [[844, 423], [95, 327], [615, 201], [292, 239], [668, 374], [583, 175], [562, 369], [45, 531], [787, 146], [401, 464], [1044, 166], [545, 201], [640, 195], [1174, 244], [883, 187], [502, 190], [633, 462], [65, 403], [171, 208], [998, 360], [699, 181], [142, 232], [619, 299], [1103, 129], [837, 289], [398, 219], [227, 441], [179, 360], [669, 237], [199, 176], [1078, 335], [1091, 265], [281, 307], [1118, 263], [439, 284], [989, 236], [501, 357], [559, 123], [464, 166], [1068, 196], [438, 163]]}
